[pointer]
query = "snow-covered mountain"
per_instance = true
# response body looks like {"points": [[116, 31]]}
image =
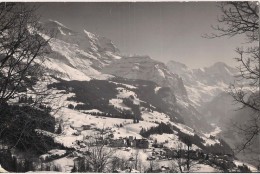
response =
{"points": [[204, 84], [78, 55], [145, 68]]}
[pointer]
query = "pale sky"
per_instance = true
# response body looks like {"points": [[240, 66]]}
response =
{"points": [[163, 30]]}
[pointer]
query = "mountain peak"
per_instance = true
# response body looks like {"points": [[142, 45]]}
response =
{"points": [[207, 81], [177, 67], [221, 67], [57, 23], [89, 34], [219, 64], [173, 62], [58, 28]]}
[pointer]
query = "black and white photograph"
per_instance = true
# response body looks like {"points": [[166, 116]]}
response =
{"points": [[129, 87]]}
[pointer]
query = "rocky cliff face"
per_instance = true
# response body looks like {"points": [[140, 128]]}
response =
{"points": [[145, 68], [205, 83]]}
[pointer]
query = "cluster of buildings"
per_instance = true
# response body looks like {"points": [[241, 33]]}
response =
{"points": [[225, 161], [163, 154], [130, 142]]}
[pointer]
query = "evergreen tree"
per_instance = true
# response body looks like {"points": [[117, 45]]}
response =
{"points": [[59, 130]]}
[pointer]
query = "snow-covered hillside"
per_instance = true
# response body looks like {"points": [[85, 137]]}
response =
{"points": [[79, 124], [119, 97]]}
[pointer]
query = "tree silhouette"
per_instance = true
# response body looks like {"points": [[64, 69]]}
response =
{"points": [[22, 48], [242, 18]]}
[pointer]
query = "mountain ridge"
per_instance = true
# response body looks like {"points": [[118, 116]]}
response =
{"points": [[204, 84]]}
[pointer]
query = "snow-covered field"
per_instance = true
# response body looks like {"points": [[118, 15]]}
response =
{"points": [[171, 141], [155, 117], [202, 168], [251, 167], [118, 103]]}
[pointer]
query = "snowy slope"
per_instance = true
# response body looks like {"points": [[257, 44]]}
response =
{"points": [[78, 55], [73, 119], [2, 170]]}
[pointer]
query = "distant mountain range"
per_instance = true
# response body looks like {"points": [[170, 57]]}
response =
{"points": [[204, 84]]}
